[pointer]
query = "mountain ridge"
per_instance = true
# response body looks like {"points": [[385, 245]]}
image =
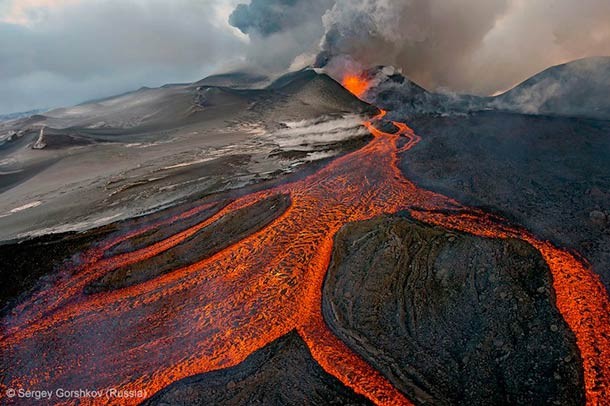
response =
{"points": [[578, 88]]}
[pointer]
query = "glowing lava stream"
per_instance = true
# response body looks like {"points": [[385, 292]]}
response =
{"points": [[214, 313]]}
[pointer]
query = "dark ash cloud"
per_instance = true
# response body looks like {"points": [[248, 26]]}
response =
{"points": [[470, 46], [265, 17], [433, 41], [473, 46], [281, 31]]}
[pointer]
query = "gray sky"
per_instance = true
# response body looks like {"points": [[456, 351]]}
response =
{"points": [[61, 52], [58, 52]]}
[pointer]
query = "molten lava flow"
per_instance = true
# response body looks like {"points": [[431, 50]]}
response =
{"points": [[214, 313], [356, 84]]}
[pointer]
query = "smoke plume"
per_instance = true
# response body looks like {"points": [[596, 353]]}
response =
{"points": [[281, 31], [471, 46]]}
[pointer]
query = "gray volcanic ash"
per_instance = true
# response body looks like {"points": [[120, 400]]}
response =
{"points": [[130, 154]]}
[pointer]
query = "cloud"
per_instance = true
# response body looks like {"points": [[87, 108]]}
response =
{"points": [[58, 52], [26, 12], [281, 31], [478, 46], [533, 35], [265, 16], [471, 46], [431, 40], [65, 52]]}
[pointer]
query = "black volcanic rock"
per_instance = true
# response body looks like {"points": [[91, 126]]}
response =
{"points": [[402, 97], [451, 318], [579, 88], [35, 263], [319, 92], [547, 174], [155, 235], [282, 373], [207, 241]]}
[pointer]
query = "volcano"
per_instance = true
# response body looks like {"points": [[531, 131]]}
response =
{"points": [[286, 244]]}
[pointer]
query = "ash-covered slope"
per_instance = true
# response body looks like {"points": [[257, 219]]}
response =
{"points": [[576, 89], [82, 166], [173, 106], [579, 88], [236, 80], [317, 93], [144, 108]]}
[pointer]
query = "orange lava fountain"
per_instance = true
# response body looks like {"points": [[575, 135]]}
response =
{"points": [[214, 313], [356, 84]]}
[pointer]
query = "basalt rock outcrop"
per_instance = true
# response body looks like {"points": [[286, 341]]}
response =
{"points": [[451, 318], [282, 373]]}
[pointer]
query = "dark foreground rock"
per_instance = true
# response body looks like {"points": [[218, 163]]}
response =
{"points": [[32, 263], [282, 373], [206, 242], [155, 235], [37, 262], [451, 318]]}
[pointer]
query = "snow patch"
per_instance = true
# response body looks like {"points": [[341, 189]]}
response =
{"points": [[316, 132], [22, 208]]}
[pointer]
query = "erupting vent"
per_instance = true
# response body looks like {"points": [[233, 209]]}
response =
{"points": [[356, 84]]}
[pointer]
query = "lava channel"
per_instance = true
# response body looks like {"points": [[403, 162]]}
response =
{"points": [[213, 313]]}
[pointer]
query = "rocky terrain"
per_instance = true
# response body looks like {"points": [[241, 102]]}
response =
{"points": [[440, 313], [548, 174], [282, 373], [38, 262], [448, 318], [575, 89], [206, 242]]}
